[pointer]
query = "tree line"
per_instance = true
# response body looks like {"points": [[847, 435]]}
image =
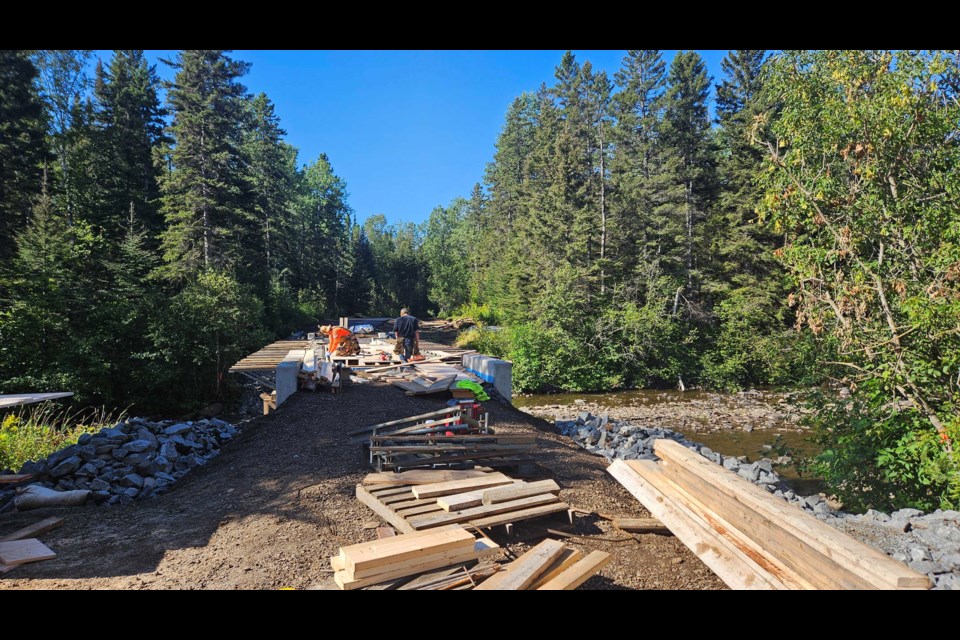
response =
{"points": [[147, 244], [624, 234]]}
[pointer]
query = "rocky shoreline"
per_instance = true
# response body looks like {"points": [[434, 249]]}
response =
{"points": [[134, 459], [929, 543]]}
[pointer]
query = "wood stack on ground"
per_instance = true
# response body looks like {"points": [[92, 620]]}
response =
{"points": [[369, 563], [453, 418], [22, 546], [549, 566], [749, 538], [426, 499]]}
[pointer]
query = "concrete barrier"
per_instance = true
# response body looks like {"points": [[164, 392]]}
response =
{"points": [[493, 370], [287, 372]]}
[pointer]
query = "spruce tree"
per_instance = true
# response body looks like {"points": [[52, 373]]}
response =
{"points": [[129, 119], [22, 144], [205, 201]]}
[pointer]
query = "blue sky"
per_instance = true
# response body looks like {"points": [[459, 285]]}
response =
{"points": [[407, 130]]}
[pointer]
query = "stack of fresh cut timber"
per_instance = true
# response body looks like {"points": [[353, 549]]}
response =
{"points": [[748, 537], [408, 451], [369, 563], [424, 499]]}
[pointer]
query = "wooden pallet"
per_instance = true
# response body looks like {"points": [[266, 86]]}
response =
{"points": [[400, 506]]}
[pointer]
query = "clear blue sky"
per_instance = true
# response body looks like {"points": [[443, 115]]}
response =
{"points": [[407, 130]]}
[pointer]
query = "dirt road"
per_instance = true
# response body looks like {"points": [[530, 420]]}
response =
{"points": [[279, 501]]}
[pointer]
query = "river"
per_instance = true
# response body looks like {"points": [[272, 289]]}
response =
{"points": [[756, 424]]}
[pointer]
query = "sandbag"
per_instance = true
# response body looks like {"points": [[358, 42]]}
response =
{"points": [[35, 496]]}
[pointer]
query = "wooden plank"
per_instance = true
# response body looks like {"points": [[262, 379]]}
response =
{"points": [[505, 494], [369, 558], [468, 499], [420, 510], [385, 532], [576, 575], [730, 564], [17, 399], [422, 416], [481, 549], [812, 548], [431, 577], [429, 521], [15, 477], [640, 525], [524, 571], [381, 510], [563, 561], [33, 530], [460, 486], [454, 577], [21, 551], [517, 516], [756, 551]]}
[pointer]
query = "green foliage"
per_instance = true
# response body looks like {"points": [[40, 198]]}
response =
{"points": [[861, 178], [213, 322], [882, 457], [35, 431], [479, 313]]}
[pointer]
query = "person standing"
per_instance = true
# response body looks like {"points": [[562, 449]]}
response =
{"points": [[407, 328]]}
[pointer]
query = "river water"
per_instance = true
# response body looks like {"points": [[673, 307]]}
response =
{"points": [[756, 424]]}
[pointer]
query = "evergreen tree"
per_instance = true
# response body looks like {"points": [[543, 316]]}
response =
{"points": [[687, 135], [130, 122], [205, 200], [22, 144], [270, 178]]}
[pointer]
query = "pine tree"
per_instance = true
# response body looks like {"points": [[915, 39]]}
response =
{"points": [[130, 123], [205, 195], [687, 135], [22, 144], [63, 82], [270, 178]]}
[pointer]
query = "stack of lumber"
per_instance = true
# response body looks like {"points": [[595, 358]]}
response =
{"points": [[426, 499], [748, 537], [369, 563], [446, 419], [549, 566], [408, 450], [21, 546]]}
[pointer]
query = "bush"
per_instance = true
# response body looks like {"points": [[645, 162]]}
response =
{"points": [[36, 431], [479, 313], [881, 457]]}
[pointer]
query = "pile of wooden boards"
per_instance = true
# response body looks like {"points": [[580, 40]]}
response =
{"points": [[21, 546], [748, 537], [447, 419], [369, 563], [425, 499], [394, 562], [549, 566]]}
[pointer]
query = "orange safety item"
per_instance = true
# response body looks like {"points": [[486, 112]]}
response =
{"points": [[337, 335]]}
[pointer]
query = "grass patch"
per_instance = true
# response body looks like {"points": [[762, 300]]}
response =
{"points": [[35, 431]]}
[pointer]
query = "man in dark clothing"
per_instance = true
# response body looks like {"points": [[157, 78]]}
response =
{"points": [[407, 328]]}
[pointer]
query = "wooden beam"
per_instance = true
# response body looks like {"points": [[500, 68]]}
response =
{"points": [[824, 555], [524, 571], [381, 510], [481, 549], [563, 562], [22, 551], [468, 499], [34, 530], [369, 558], [15, 477], [576, 575], [505, 494], [460, 486], [730, 564], [517, 516], [429, 521], [641, 525], [422, 416]]}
